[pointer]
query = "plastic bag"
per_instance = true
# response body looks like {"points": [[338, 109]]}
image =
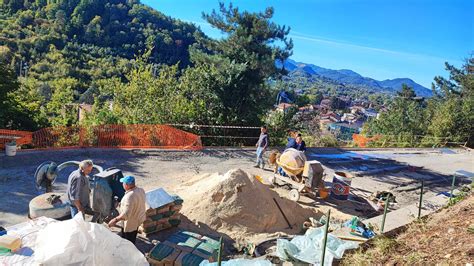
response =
{"points": [[76, 242], [308, 248], [238, 262]]}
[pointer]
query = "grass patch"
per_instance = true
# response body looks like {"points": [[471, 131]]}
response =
{"points": [[459, 197], [418, 225], [380, 247], [359, 257], [414, 257], [384, 245]]}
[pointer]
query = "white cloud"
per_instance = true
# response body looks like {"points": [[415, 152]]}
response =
{"points": [[304, 37]]}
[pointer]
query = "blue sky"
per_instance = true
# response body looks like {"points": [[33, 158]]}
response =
{"points": [[382, 39]]}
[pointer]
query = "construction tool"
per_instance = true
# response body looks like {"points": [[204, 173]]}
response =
{"points": [[326, 231], [358, 239], [282, 213], [219, 254]]}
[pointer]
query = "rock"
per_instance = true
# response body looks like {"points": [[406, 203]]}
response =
{"points": [[447, 256], [450, 230]]}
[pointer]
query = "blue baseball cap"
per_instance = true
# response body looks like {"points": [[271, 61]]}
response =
{"points": [[127, 180]]}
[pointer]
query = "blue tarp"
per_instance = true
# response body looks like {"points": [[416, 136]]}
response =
{"points": [[283, 97], [158, 198]]}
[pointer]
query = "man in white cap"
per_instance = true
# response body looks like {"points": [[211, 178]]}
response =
{"points": [[132, 209]]}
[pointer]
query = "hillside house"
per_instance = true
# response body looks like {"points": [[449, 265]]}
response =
{"points": [[284, 107], [322, 108], [326, 102], [357, 109], [83, 108], [349, 118], [371, 113], [308, 108], [331, 116]]}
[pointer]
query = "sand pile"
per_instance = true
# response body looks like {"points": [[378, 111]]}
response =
{"points": [[237, 205]]}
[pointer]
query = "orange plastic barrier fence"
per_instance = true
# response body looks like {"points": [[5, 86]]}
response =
{"points": [[118, 136], [362, 141], [21, 137]]}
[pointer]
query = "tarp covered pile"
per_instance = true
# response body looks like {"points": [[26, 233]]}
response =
{"points": [[308, 248], [77, 242]]}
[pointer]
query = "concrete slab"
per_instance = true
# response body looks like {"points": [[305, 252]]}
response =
{"points": [[169, 169], [403, 216], [399, 218]]}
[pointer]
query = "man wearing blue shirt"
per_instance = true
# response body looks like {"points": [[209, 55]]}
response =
{"points": [[291, 140], [300, 144]]}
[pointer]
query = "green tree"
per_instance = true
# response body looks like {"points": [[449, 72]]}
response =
{"points": [[61, 108], [12, 112], [302, 100], [8, 83], [165, 98], [337, 103], [279, 123], [406, 92], [318, 97], [405, 119], [252, 44], [452, 108]]}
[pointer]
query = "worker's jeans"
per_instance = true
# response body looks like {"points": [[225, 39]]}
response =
{"points": [[260, 151], [74, 210], [131, 236], [281, 172]]}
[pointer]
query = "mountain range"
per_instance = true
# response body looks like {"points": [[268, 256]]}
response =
{"points": [[346, 77]]}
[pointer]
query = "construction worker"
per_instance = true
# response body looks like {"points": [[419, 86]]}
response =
{"points": [[78, 189], [291, 140], [132, 209], [261, 145], [300, 144]]}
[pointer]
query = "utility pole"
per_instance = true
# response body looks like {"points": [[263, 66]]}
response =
{"points": [[154, 70], [25, 67], [21, 65]]}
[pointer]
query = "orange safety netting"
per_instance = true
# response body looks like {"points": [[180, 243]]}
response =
{"points": [[118, 136], [362, 141], [21, 137]]}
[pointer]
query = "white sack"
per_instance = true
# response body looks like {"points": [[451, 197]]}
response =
{"points": [[77, 242]]}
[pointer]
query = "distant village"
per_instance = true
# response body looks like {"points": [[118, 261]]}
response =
{"points": [[348, 119]]}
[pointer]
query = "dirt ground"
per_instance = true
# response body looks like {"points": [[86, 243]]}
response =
{"points": [[442, 239], [405, 168]]}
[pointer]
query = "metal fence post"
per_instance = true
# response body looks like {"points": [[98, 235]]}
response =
{"points": [[219, 255], [326, 229], [421, 198], [452, 189], [384, 214]]}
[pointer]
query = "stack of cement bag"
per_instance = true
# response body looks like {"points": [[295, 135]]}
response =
{"points": [[184, 248], [162, 211]]}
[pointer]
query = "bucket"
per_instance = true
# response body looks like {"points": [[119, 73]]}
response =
{"points": [[323, 193], [341, 185], [10, 150]]}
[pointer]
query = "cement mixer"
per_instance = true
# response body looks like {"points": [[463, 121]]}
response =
{"points": [[106, 192], [302, 176]]}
